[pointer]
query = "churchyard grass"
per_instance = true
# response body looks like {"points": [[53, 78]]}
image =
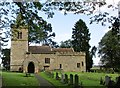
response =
{"points": [[92, 79], [18, 79], [87, 79]]}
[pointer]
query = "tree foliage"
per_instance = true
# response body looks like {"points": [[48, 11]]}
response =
{"points": [[39, 32], [86, 7], [66, 44], [109, 50], [6, 58]]}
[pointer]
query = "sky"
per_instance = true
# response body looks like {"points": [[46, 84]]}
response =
{"points": [[62, 26]]}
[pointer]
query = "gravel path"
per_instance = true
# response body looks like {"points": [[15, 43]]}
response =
{"points": [[43, 83]]}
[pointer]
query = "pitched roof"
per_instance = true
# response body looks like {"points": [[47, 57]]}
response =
{"points": [[47, 49], [39, 49]]}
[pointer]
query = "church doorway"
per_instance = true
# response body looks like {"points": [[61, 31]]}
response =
{"points": [[31, 67]]}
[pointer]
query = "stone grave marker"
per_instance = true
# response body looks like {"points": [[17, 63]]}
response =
{"points": [[66, 78], [57, 77], [107, 79], [71, 79], [62, 78], [76, 80]]}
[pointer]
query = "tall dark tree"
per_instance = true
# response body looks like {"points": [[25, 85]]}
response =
{"points": [[80, 42], [6, 58], [109, 50]]}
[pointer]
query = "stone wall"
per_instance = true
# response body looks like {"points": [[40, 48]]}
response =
{"points": [[21, 59]]}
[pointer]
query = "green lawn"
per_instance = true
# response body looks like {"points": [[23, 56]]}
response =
{"points": [[87, 79], [92, 79], [18, 79]]}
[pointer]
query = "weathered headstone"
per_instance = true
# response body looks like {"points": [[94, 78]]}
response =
{"points": [[66, 78], [76, 80], [57, 77], [62, 78], [71, 79], [107, 79]]}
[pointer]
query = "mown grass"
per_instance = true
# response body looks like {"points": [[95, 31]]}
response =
{"points": [[18, 79], [87, 79], [92, 79]]}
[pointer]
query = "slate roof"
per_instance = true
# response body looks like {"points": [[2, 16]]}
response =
{"points": [[39, 49], [47, 49]]}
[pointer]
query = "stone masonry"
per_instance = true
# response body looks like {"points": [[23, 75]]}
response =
{"points": [[37, 58]]}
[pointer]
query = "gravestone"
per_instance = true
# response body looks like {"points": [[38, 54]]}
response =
{"points": [[76, 80], [62, 78], [107, 79], [66, 78], [57, 77], [71, 79]]}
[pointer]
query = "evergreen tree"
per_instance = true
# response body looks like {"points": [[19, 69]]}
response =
{"points": [[80, 42]]}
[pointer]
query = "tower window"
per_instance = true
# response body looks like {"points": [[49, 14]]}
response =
{"points": [[19, 35], [82, 63], [60, 66], [47, 60], [78, 65]]}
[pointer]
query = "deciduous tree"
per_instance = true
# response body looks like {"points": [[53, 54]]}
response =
{"points": [[109, 50]]}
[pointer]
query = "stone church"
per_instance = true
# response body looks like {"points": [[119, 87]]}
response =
{"points": [[33, 59]]}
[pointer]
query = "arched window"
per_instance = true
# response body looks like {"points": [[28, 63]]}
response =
{"points": [[19, 36]]}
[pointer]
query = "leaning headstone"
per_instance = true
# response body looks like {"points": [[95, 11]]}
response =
{"points": [[76, 80], [62, 78], [57, 77], [71, 79], [66, 78], [107, 79]]}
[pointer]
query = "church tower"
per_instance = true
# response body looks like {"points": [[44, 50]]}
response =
{"points": [[19, 47]]}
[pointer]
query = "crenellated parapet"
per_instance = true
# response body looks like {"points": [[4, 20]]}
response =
{"points": [[70, 53]]}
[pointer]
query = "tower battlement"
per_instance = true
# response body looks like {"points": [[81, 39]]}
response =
{"points": [[70, 53]]}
